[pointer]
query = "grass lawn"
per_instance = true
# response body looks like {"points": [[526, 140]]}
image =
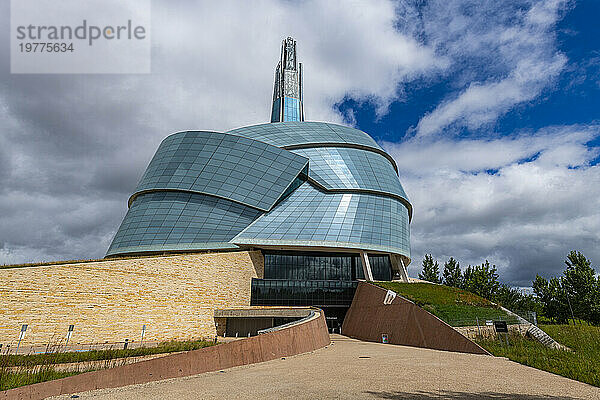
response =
{"points": [[34, 368], [11, 360], [12, 380], [455, 306], [582, 364]]}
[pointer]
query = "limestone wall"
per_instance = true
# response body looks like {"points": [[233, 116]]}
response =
{"points": [[174, 296], [485, 331]]}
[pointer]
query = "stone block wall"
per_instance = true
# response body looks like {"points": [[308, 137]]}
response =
{"points": [[485, 331], [110, 300]]}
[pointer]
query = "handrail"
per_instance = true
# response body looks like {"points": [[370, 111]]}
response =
{"points": [[302, 320]]}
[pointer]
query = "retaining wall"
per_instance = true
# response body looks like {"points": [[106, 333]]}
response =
{"points": [[485, 331], [403, 321], [300, 338]]}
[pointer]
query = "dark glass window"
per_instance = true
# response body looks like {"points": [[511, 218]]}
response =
{"points": [[284, 292], [312, 266], [358, 272], [381, 267]]}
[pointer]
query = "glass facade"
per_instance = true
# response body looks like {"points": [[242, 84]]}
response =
{"points": [[334, 188], [275, 110], [381, 267], [291, 109], [309, 217], [232, 167], [312, 266], [283, 292], [180, 221], [348, 168], [314, 278], [284, 134]]}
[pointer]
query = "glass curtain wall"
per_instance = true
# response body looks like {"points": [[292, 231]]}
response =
{"points": [[381, 267], [324, 266], [317, 279], [312, 266], [284, 292]]}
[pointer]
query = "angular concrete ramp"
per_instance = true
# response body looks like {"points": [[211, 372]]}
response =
{"points": [[352, 369], [376, 312], [303, 336]]}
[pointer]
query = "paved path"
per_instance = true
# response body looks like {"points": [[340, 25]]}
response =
{"points": [[351, 369]]}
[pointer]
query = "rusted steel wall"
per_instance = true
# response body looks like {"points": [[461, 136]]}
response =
{"points": [[403, 321], [297, 339]]}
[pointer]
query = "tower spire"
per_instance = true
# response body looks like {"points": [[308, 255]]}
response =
{"points": [[287, 91]]}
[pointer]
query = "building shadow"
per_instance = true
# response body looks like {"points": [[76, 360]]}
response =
{"points": [[452, 395]]}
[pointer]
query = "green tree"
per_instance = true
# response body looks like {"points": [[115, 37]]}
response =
{"points": [[481, 280], [513, 299], [595, 311], [508, 297], [452, 275], [467, 277], [431, 270], [552, 298], [579, 283]]}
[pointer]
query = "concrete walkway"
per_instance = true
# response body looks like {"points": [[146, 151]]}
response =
{"points": [[351, 369]]}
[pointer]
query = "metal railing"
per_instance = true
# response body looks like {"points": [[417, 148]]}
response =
{"points": [[463, 322], [276, 328]]}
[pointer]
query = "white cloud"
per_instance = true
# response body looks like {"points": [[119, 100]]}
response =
{"points": [[73, 146], [347, 50], [517, 50], [540, 200], [482, 103]]}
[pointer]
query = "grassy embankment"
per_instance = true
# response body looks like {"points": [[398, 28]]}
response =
{"points": [[454, 306], [457, 307], [582, 363], [19, 370]]}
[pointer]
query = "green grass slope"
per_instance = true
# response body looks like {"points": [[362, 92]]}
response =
{"points": [[454, 306], [582, 364]]}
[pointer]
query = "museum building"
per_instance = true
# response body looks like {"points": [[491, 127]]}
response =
{"points": [[322, 202]]}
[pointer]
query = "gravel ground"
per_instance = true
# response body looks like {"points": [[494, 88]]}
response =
{"points": [[351, 369]]}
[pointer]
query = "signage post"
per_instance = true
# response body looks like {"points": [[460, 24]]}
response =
{"points": [[69, 334], [502, 327], [21, 335]]}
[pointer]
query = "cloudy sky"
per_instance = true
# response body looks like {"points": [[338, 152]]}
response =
{"points": [[490, 109]]}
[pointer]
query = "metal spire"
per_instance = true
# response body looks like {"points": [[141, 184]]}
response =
{"points": [[287, 92]]}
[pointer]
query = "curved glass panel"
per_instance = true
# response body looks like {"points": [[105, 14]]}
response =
{"points": [[233, 167], [284, 134], [309, 217], [179, 221], [347, 168]]}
